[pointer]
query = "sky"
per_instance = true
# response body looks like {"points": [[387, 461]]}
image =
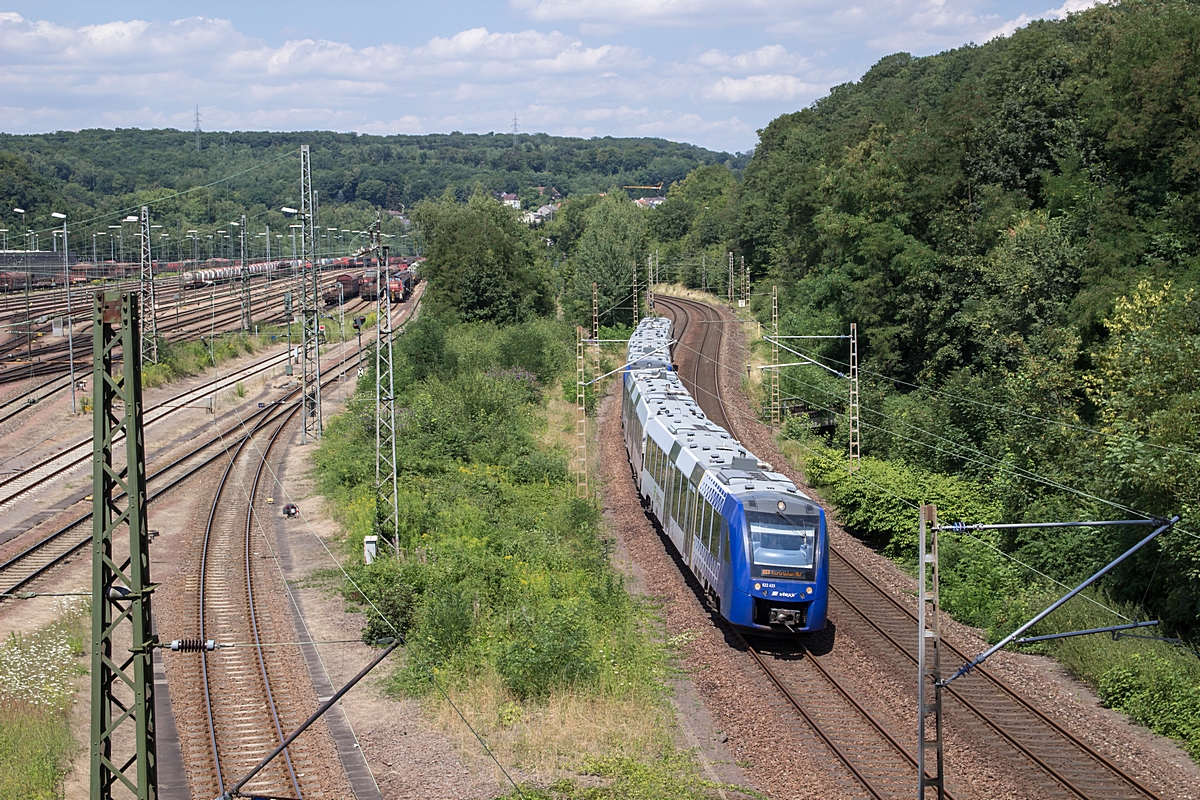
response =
{"points": [[708, 72]]}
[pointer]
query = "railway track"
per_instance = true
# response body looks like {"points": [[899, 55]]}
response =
{"points": [[20, 570], [16, 486], [1050, 759], [245, 712], [36, 560], [205, 312]]}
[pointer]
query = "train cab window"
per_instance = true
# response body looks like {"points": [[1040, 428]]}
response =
{"points": [[782, 546], [723, 541]]}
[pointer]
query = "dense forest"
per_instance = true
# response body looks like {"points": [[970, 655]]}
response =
{"points": [[95, 175], [1015, 229]]}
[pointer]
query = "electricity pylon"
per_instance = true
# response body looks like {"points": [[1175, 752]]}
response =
{"points": [[775, 409], [387, 493], [855, 431], [123, 743], [247, 315], [309, 305], [146, 286]]}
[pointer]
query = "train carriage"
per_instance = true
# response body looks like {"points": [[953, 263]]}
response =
{"points": [[754, 541]]}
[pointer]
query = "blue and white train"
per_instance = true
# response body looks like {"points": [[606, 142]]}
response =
{"points": [[755, 542]]}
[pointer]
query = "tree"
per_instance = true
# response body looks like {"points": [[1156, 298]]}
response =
{"points": [[613, 241], [481, 262]]}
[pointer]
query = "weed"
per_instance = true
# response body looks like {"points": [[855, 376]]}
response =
{"points": [[37, 674]]}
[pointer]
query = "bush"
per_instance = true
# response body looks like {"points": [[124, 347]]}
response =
{"points": [[546, 653], [501, 571], [539, 468], [1157, 692]]}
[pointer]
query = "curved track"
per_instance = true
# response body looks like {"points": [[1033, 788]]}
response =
{"points": [[240, 710], [1051, 760]]}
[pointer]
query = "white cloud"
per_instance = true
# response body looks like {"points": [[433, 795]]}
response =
{"points": [[613, 11], [760, 88], [137, 73], [152, 73]]}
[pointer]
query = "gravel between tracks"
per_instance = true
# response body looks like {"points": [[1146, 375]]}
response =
{"points": [[1156, 761]]}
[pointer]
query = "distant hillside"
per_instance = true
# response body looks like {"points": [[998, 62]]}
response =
{"points": [[92, 171]]}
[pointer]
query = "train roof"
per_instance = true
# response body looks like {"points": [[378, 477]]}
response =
{"points": [[682, 422]]}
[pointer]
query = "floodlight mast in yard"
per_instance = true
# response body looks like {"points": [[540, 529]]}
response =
{"points": [[67, 278]]}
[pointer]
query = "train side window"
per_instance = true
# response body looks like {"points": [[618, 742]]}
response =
{"points": [[714, 528], [724, 543]]}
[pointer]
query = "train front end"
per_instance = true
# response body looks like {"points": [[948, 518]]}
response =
{"points": [[780, 564]]}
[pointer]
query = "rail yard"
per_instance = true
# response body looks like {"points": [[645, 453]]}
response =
{"points": [[213, 455]]}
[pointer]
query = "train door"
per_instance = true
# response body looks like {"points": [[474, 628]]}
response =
{"points": [[689, 522]]}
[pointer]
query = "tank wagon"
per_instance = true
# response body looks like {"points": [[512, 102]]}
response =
{"points": [[755, 542], [194, 279]]}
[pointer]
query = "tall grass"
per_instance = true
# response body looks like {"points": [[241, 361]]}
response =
{"points": [[37, 686]]}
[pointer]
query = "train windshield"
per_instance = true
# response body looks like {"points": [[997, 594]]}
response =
{"points": [[782, 546]]}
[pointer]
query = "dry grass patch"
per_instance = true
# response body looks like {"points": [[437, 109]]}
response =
{"points": [[556, 737]]}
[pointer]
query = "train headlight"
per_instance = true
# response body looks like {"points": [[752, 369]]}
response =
{"points": [[808, 590], [782, 506]]}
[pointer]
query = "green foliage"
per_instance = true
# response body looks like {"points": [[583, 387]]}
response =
{"points": [[673, 777], [35, 748], [481, 261], [500, 569], [179, 359], [1013, 228], [1161, 693], [100, 172], [612, 242], [37, 682], [878, 501]]}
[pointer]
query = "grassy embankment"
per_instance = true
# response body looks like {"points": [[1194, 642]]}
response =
{"points": [[38, 676], [187, 359], [502, 585], [1155, 683]]}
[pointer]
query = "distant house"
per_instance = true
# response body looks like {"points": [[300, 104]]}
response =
{"points": [[650, 202], [510, 200], [534, 218]]}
